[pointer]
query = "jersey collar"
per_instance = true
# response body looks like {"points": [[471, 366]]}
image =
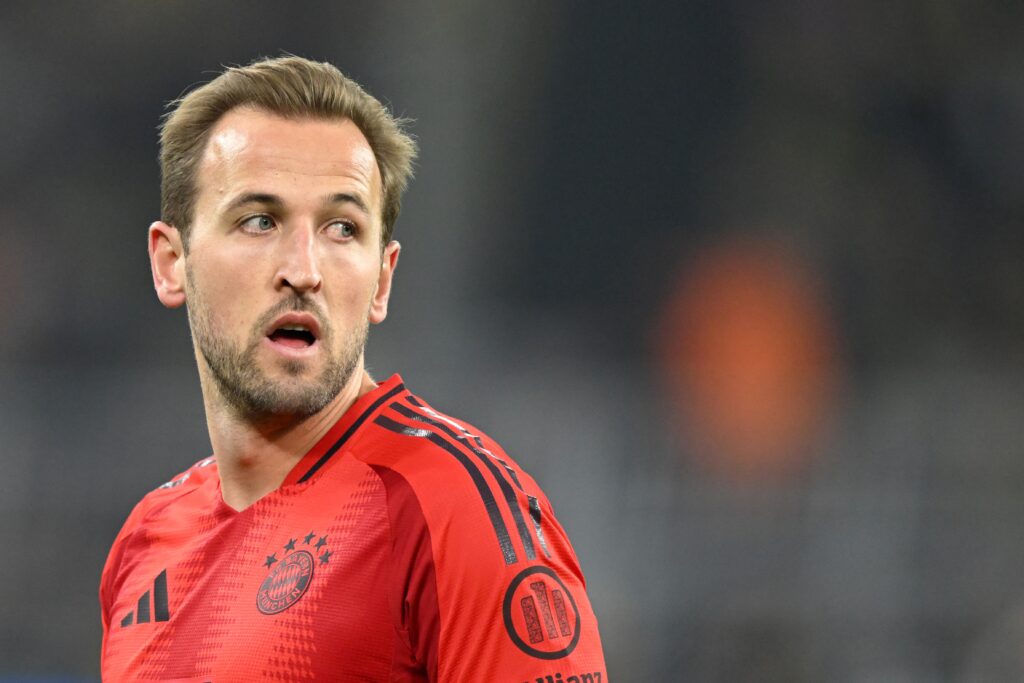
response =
{"points": [[344, 430]]}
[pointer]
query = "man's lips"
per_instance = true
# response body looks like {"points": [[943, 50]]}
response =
{"points": [[294, 330]]}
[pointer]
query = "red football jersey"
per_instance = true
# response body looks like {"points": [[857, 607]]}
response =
{"points": [[405, 546]]}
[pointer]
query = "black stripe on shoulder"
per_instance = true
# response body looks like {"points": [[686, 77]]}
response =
{"points": [[508, 551], [350, 431], [414, 401], [466, 440]]}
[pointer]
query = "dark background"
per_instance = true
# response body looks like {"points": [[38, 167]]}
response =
{"points": [[741, 287]]}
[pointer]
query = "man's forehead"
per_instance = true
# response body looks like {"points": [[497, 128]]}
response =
{"points": [[225, 141], [249, 141]]}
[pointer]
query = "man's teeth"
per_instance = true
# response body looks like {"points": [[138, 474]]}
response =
{"points": [[297, 328]]}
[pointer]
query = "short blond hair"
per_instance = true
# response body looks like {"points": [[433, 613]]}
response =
{"points": [[291, 87]]}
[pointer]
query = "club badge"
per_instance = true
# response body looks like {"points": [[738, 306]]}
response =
{"points": [[289, 577]]}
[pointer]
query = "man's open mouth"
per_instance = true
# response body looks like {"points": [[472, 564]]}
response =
{"points": [[294, 330], [294, 336]]}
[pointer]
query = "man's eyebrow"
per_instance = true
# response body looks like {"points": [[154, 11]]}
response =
{"points": [[344, 197], [268, 199], [255, 198]]}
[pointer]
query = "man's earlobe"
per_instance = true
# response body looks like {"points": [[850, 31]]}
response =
{"points": [[382, 292], [167, 260]]}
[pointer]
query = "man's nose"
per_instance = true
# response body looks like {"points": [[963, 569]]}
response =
{"points": [[299, 264]]}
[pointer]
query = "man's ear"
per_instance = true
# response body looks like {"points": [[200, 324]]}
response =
{"points": [[388, 263], [167, 259]]}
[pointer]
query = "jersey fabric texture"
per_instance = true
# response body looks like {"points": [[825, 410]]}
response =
{"points": [[405, 546]]}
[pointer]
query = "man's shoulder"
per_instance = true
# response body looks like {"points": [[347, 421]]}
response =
{"points": [[199, 474], [416, 439], [182, 485], [457, 478]]}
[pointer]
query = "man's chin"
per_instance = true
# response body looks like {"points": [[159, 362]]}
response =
{"points": [[287, 401], [300, 388], [292, 389], [296, 371]]}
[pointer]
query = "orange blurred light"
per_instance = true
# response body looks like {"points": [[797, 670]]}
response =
{"points": [[748, 348]]}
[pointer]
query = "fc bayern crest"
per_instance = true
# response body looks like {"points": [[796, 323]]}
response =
{"points": [[289, 577]]}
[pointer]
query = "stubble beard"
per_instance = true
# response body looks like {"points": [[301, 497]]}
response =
{"points": [[243, 384]]}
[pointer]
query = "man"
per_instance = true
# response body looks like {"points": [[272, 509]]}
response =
{"points": [[343, 530]]}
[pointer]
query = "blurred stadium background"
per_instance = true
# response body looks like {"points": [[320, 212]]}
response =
{"points": [[740, 286]]}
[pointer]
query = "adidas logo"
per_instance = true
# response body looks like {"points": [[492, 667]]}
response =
{"points": [[159, 612]]}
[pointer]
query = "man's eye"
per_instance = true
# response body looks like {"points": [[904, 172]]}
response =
{"points": [[258, 224], [342, 229]]}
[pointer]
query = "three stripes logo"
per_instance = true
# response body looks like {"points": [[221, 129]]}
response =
{"points": [[540, 614], [152, 605]]}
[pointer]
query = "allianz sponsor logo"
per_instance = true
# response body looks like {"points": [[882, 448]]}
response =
{"points": [[595, 677]]}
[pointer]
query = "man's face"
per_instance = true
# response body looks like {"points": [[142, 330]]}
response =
{"points": [[284, 270]]}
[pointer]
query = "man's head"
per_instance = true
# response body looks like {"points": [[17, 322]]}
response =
{"points": [[276, 231], [293, 88]]}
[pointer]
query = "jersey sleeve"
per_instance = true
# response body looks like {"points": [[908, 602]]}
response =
{"points": [[120, 554], [488, 586], [111, 568], [527, 620]]}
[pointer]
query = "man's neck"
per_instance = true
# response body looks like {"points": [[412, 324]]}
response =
{"points": [[254, 458]]}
